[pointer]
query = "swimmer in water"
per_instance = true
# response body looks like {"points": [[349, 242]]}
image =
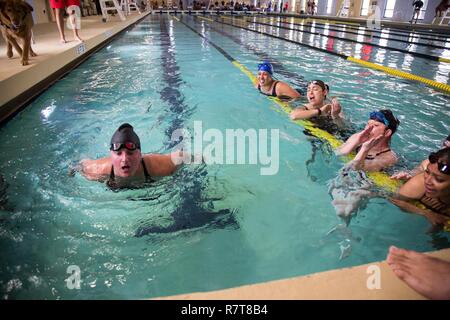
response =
{"points": [[267, 85], [127, 166], [373, 143], [317, 106]]}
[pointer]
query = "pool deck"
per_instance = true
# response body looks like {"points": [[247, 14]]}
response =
{"points": [[20, 84], [345, 284]]}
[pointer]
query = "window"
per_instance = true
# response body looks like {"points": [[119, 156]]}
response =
{"points": [[329, 6], [365, 8], [389, 11], [424, 8]]}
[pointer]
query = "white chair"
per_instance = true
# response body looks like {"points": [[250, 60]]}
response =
{"points": [[105, 5], [128, 4]]}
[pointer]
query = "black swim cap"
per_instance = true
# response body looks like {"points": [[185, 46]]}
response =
{"points": [[125, 133], [321, 84]]}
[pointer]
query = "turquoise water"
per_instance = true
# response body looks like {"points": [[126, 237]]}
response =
{"points": [[160, 76]]}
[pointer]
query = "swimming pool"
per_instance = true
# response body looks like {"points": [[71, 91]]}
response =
{"points": [[160, 76]]}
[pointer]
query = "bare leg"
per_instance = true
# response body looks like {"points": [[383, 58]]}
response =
{"points": [[60, 24], [72, 18], [427, 275]]}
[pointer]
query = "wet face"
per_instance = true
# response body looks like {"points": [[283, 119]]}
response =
{"points": [[264, 78], [446, 144], [315, 94], [437, 184], [377, 129], [126, 162]]}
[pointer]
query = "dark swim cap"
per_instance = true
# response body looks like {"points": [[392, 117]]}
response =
{"points": [[125, 133], [321, 84]]}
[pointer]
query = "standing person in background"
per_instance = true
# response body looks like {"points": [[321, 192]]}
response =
{"points": [[72, 6], [417, 4], [313, 7], [308, 7]]}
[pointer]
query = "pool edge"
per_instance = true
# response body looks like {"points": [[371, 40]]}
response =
{"points": [[337, 284]]}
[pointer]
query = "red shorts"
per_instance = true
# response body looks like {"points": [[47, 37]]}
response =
{"points": [[61, 4]]}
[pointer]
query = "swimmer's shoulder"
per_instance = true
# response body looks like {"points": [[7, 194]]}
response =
{"points": [[159, 164], [414, 188]]}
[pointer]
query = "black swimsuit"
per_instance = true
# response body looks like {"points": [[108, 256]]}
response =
{"points": [[112, 183], [274, 90]]}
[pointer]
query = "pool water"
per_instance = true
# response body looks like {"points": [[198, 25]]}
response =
{"points": [[225, 225]]}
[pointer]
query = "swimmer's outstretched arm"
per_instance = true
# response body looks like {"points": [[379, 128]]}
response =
{"points": [[95, 169], [412, 190], [353, 142], [160, 165], [285, 90], [303, 113], [405, 175]]}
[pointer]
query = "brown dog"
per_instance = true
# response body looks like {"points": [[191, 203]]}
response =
{"points": [[16, 23], [441, 8]]}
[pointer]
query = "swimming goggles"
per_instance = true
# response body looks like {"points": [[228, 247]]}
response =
{"points": [[320, 83], [127, 145], [442, 167], [380, 117]]}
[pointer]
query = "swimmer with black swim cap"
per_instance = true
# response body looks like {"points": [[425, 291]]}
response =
{"points": [[126, 164], [317, 105]]}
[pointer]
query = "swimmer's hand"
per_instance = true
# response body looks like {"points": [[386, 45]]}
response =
{"points": [[73, 170], [335, 108], [364, 135], [369, 144], [326, 109], [402, 175], [180, 157]]}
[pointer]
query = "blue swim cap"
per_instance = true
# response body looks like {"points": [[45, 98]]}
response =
{"points": [[266, 66]]}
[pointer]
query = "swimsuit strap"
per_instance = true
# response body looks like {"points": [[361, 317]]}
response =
{"points": [[147, 175], [377, 154], [274, 90], [111, 174], [434, 204]]}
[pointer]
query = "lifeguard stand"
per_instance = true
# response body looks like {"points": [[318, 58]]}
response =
{"points": [[106, 6], [445, 19], [345, 9]]}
